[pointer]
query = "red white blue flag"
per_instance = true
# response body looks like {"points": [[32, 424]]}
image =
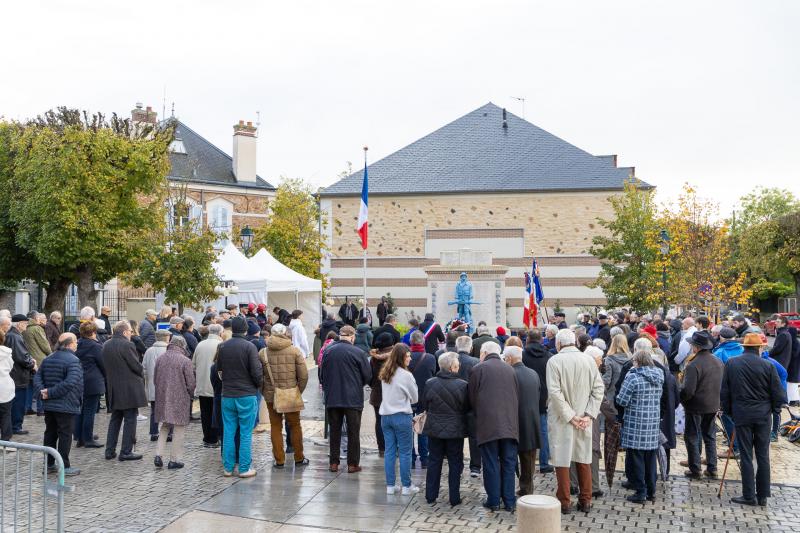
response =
{"points": [[536, 296], [526, 302], [362, 227]]}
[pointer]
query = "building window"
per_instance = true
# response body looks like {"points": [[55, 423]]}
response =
{"points": [[177, 147], [182, 213], [220, 219]]}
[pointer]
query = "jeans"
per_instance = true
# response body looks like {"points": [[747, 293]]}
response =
{"points": [[58, 434], [544, 453], [18, 408], [84, 422], [727, 423], [127, 419], [701, 427], [29, 398], [641, 470], [398, 435], [499, 458], [422, 444], [238, 413], [336, 415], [453, 449], [756, 436]]}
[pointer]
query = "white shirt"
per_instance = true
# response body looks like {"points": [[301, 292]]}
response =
{"points": [[7, 388], [299, 336], [684, 348]]}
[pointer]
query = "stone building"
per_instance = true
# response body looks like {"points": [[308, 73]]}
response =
{"points": [[221, 190], [489, 182]]}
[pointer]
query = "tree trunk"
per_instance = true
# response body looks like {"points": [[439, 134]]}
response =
{"points": [[56, 294], [87, 295]]}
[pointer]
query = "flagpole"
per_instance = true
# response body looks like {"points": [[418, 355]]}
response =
{"points": [[365, 248]]}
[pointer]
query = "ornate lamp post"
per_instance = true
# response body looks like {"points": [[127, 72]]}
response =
{"points": [[664, 254], [247, 239]]}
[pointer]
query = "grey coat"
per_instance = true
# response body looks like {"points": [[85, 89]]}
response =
{"points": [[494, 396], [529, 393]]}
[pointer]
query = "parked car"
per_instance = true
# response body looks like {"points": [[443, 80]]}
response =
{"points": [[793, 319]]}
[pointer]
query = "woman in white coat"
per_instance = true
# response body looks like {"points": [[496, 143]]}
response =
{"points": [[6, 390], [299, 335]]}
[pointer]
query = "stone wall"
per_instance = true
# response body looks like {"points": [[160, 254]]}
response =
{"points": [[244, 206], [553, 223]]}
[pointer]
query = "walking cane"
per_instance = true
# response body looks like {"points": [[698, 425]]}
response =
{"points": [[728, 458]]}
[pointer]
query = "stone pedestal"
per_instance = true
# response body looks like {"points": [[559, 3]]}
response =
{"points": [[488, 286], [537, 513]]}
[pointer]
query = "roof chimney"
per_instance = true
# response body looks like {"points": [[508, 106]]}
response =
{"points": [[244, 152], [505, 122], [139, 115]]}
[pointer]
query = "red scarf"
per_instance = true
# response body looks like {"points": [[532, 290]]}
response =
{"points": [[418, 348]]}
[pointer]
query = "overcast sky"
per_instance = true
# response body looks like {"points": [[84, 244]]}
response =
{"points": [[706, 92]]}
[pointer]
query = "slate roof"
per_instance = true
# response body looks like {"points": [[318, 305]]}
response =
{"points": [[476, 154], [205, 163]]}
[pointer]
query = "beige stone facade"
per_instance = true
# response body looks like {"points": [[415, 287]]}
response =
{"points": [[408, 233], [553, 224]]}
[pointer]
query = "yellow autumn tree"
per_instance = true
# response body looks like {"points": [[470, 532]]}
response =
{"points": [[702, 273]]}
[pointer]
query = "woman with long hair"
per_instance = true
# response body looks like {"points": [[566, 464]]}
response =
{"points": [[399, 392]]}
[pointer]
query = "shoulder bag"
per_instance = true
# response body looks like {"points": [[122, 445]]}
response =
{"points": [[284, 400]]}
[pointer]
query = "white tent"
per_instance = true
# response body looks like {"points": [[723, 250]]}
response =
{"points": [[264, 279]]}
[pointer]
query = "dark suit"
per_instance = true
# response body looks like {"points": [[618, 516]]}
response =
{"points": [[529, 426], [126, 393]]}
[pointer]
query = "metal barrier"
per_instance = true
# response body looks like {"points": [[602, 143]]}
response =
{"points": [[12, 465]]}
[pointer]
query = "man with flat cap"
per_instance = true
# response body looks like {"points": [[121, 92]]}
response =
{"points": [[702, 379]]}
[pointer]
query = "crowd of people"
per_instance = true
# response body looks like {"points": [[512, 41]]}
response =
{"points": [[563, 396]]}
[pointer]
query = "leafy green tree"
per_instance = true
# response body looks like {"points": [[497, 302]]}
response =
{"points": [[787, 244], [179, 260], [630, 273], [762, 205], [85, 191], [292, 234]]}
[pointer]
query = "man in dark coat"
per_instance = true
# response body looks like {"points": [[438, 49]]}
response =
{"points": [[494, 394], [126, 393], [676, 335], [446, 403], [59, 381], [147, 328], [529, 425], [344, 372], [702, 380], [561, 320], [483, 337], [328, 324], [383, 310], [751, 392], [53, 329], [603, 331], [793, 378], [284, 316], [423, 367], [535, 357], [24, 366], [432, 332], [105, 316], [388, 327], [782, 348], [465, 365], [348, 312]]}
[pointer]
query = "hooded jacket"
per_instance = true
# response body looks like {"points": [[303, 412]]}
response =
{"points": [[363, 337], [640, 394], [613, 370], [535, 357], [376, 362], [286, 364], [727, 349]]}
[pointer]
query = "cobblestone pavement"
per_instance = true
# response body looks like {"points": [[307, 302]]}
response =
{"points": [[134, 496]]}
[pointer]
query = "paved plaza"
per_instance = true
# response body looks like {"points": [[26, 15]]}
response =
{"points": [[134, 496]]}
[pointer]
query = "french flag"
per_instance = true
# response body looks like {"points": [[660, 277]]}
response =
{"points": [[362, 227]]}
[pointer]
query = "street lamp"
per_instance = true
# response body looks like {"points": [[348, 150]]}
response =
{"points": [[247, 239], [664, 253]]}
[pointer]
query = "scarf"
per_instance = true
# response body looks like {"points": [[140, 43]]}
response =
{"points": [[418, 348]]}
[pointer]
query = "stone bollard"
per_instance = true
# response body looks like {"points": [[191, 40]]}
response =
{"points": [[537, 513]]}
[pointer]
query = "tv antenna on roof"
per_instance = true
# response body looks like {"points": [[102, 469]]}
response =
{"points": [[521, 99]]}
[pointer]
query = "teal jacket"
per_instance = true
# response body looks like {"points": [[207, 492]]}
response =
{"points": [[728, 349]]}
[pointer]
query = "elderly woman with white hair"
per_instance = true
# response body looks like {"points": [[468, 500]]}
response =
{"points": [[549, 341], [446, 404]]}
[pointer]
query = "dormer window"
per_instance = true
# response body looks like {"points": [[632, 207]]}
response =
{"points": [[177, 147]]}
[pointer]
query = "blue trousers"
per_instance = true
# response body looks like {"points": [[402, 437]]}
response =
{"points": [[84, 422], [398, 435], [499, 459], [640, 467], [544, 452], [18, 407], [238, 413]]}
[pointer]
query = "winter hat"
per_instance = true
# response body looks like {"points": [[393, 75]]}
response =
{"points": [[501, 330], [19, 318], [252, 328], [651, 329], [261, 308], [727, 333], [239, 325], [384, 341], [251, 306]]}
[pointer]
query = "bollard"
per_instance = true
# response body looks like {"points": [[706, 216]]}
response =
{"points": [[537, 513]]}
